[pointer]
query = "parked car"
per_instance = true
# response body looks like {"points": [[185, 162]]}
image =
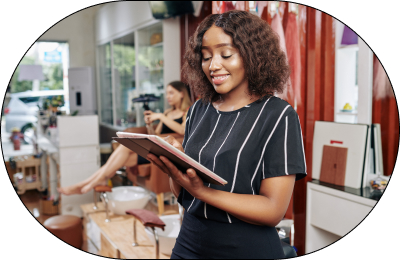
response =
{"points": [[22, 110]]}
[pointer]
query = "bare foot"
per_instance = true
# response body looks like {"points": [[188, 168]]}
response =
{"points": [[73, 189], [92, 184]]}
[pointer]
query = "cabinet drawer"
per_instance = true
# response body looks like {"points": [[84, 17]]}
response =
{"points": [[108, 249], [78, 130], [335, 214], [80, 154], [93, 232], [74, 173]]}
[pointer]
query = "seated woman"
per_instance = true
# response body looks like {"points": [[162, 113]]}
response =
{"points": [[172, 120]]}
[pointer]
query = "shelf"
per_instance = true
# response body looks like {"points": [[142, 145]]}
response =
{"points": [[160, 44], [347, 113], [160, 69], [348, 47]]}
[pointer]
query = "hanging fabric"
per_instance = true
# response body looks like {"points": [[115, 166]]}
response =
{"points": [[293, 54], [276, 25], [242, 5], [381, 85], [229, 6], [218, 7], [260, 5]]}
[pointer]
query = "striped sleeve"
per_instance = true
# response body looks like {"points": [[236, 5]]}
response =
{"points": [[284, 154]]}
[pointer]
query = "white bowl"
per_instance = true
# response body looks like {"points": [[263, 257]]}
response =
{"points": [[167, 238], [127, 197]]}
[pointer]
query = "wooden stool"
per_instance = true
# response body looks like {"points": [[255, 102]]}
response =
{"points": [[68, 228], [148, 219]]}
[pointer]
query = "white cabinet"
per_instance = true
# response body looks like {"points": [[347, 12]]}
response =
{"points": [[332, 213], [79, 157]]}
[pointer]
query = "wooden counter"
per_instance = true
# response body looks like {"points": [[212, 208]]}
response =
{"points": [[116, 236]]}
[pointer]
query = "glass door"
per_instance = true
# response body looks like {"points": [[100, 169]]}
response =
{"points": [[106, 109], [150, 68], [124, 58]]}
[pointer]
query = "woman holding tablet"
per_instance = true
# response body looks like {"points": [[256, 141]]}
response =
{"points": [[241, 132], [172, 120]]}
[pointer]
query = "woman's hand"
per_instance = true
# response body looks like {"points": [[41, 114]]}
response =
{"points": [[190, 181], [150, 116]]}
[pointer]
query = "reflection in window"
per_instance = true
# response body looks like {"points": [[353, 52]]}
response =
{"points": [[106, 109], [124, 79]]}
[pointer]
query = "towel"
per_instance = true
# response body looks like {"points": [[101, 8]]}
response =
{"points": [[148, 218]]}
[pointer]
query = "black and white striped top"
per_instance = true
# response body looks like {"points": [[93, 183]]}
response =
{"points": [[245, 146]]}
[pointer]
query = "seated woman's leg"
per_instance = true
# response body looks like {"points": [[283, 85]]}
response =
{"points": [[76, 188], [118, 158], [122, 156]]}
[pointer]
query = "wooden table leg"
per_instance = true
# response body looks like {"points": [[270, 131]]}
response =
{"points": [[160, 203]]}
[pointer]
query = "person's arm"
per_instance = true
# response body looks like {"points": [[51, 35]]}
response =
{"points": [[267, 208], [158, 128], [150, 129], [172, 124]]}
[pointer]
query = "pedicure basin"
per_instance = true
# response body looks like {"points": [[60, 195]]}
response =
{"points": [[123, 198]]}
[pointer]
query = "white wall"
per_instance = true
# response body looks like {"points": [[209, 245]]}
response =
{"points": [[119, 18], [172, 50], [78, 30], [346, 91]]}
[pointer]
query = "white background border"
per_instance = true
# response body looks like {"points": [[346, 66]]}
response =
{"points": [[22, 22]]}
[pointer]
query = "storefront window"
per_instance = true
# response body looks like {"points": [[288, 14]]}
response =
{"points": [[53, 61], [131, 66], [106, 108], [151, 66]]}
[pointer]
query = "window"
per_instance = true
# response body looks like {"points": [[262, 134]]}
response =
{"points": [[124, 79], [106, 109], [130, 66], [54, 60]]}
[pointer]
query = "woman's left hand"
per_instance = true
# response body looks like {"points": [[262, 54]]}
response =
{"points": [[190, 181], [150, 116]]}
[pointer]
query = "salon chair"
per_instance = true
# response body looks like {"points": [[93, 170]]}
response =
{"points": [[285, 230], [288, 250], [149, 176]]}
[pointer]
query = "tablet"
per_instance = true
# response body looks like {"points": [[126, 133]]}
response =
{"points": [[144, 144]]}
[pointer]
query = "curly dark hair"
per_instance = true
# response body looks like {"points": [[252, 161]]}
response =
{"points": [[264, 61]]}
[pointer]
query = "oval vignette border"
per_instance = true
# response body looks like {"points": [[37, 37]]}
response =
{"points": [[372, 227]]}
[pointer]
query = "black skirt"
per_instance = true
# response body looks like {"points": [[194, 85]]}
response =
{"points": [[204, 238]]}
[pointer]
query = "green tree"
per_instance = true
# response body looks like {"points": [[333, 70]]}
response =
{"points": [[24, 85], [54, 77]]}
